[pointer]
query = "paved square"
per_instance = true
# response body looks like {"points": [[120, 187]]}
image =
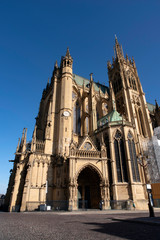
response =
{"points": [[78, 225]]}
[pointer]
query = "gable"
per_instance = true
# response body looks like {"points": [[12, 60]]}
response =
{"points": [[87, 145]]}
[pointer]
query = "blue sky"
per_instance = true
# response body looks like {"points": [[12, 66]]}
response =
{"points": [[33, 34]]}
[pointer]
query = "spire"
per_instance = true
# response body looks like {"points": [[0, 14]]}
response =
{"points": [[118, 49], [56, 64], [18, 145], [25, 135], [112, 96], [33, 143], [68, 53], [157, 106], [91, 77], [48, 81]]}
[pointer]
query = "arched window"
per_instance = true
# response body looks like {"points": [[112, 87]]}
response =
{"points": [[120, 158], [77, 118], [87, 124], [106, 140], [141, 122], [133, 158]]}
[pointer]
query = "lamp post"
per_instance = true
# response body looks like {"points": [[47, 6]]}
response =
{"points": [[148, 186]]}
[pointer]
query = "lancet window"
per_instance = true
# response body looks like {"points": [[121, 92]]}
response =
{"points": [[132, 83], [133, 158], [87, 124], [77, 118], [120, 158]]}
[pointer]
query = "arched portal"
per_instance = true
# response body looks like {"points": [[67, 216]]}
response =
{"points": [[89, 194]]}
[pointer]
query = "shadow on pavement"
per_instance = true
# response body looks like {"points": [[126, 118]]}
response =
{"points": [[127, 230]]}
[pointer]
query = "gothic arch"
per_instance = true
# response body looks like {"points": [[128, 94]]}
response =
{"points": [[93, 167], [116, 131], [141, 122]]}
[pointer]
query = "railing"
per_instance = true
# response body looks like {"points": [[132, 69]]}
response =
{"points": [[85, 154], [39, 146]]}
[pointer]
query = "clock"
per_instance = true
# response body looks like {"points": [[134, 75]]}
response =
{"points": [[66, 113]]}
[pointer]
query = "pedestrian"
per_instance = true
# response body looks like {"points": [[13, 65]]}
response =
{"points": [[134, 206], [101, 204]]}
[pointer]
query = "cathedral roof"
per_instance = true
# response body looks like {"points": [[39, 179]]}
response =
{"points": [[80, 81], [113, 116], [151, 107]]}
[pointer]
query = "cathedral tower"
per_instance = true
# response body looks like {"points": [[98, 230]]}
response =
{"points": [[85, 143]]}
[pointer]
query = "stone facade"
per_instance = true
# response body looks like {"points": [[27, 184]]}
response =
{"points": [[85, 143]]}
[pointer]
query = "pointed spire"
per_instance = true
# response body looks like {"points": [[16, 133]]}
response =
{"points": [[18, 145], [112, 96], [116, 39], [118, 49], [91, 77], [68, 53], [48, 81], [23, 133], [157, 106], [33, 143], [56, 64], [25, 136]]}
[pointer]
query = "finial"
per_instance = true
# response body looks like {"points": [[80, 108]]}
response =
{"points": [[23, 133], [157, 106], [56, 64], [48, 81], [115, 37], [25, 136], [91, 78], [18, 145], [67, 53]]}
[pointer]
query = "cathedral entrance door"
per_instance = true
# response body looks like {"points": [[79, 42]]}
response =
{"points": [[88, 189]]}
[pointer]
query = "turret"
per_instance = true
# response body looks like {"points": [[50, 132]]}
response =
{"points": [[65, 123]]}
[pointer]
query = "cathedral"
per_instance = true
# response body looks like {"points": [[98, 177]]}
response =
{"points": [[86, 142]]}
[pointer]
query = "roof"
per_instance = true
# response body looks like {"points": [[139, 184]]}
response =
{"points": [[113, 116], [151, 107], [97, 86]]}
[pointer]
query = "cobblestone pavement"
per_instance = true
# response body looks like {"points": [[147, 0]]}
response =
{"points": [[79, 225]]}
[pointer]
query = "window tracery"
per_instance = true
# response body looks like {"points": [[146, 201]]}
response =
{"points": [[76, 118], [132, 83], [120, 158], [133, 158]]}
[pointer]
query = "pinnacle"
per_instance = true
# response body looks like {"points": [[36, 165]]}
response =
{"points": [[67, 53], [56, 64], [91, 77]]}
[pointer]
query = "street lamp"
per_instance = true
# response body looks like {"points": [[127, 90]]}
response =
{"points": [[148, 186]]}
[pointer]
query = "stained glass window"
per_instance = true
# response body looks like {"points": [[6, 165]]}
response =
{"points": [[76, 118], [120, 158], [133, 158]]}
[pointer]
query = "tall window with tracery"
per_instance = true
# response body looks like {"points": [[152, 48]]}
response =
{"points": [[122, 175], [76, 118], [133, 158]]}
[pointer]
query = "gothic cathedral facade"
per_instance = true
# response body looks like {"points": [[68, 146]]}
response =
{"points": [[86, 142]]}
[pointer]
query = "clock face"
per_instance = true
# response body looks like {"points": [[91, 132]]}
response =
{"points": [[66, 114], [87, 146]]}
